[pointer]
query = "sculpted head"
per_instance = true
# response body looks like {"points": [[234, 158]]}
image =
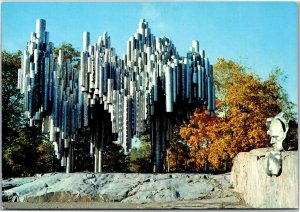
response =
{"points": [[278, 128]]}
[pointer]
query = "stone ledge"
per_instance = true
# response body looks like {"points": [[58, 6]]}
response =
{"points": [[260, 190]]}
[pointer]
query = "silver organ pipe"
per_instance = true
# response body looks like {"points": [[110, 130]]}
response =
{"points": [[86, 41], [40, 30], [174, 90], [169, 89]]}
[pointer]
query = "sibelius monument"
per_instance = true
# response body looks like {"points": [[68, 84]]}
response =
{"points": [[117, 98]]}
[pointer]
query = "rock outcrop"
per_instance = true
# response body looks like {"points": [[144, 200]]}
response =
{"points": [[125, 188], [260, 190]]}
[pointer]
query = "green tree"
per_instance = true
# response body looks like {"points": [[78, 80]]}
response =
{"points": [[178, 154], [140, 158], [291, 141], [11, 100], [83, 161], [25, 150], [69, 52], [114, 159], [27, 153], [11, 97], [274, 82]]}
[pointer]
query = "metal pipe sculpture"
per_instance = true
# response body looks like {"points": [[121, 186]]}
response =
{"points": [[278, 128], [117, 98]]}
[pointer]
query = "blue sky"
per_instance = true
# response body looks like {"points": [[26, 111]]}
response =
{"points": [[261, 35]]}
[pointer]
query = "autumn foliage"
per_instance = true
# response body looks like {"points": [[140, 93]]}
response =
{"points": [[244, 102]]}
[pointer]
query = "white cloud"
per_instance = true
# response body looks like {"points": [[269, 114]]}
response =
{"points": [[155, 19], [150, 12]]}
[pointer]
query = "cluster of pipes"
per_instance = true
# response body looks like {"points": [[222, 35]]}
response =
{"points": [[151, 86]]}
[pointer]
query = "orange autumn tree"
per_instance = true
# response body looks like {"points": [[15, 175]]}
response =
{"points": [[245, 102], [198, 134]]}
